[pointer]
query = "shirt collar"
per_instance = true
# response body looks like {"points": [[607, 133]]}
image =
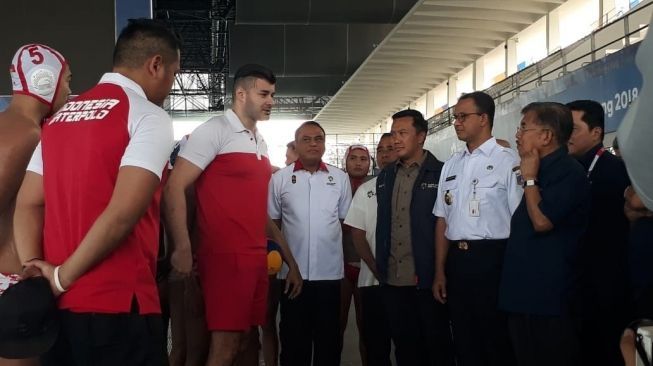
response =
{"points": [[547, 161], [419, 162], [234, 121], [586, 159], [299, 166], [486, 148], [123, 81]]}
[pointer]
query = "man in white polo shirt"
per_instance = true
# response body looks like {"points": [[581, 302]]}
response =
{"points": [[226, 160], [308, 200], [362, 220]]}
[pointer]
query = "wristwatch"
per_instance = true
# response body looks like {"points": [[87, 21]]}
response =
{"points": [[530, 182]]}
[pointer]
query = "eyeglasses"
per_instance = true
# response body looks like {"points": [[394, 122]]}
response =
{"points": [[462, 116], [521, 130]]}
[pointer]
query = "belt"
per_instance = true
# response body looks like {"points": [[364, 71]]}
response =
{"points": [[468, 244]]}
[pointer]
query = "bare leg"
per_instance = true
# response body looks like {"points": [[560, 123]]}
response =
{"points": [[249, 349], [177, 320], [197, 335], [270, 333], [346, 292], [224, 348], [359, 324], [28, 362]]}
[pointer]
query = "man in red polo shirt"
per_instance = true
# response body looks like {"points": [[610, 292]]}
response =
{"points": [[89, 205], [226, 159]]}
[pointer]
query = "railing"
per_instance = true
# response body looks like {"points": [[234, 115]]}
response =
{"points": [[546, 69]]}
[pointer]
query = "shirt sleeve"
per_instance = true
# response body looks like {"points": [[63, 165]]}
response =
{"points": [[515, 190], [356, 214], [345, 198], [438, 207], [202, 145], [150, 143], [36, 162], [274, 197], [565, 197]]}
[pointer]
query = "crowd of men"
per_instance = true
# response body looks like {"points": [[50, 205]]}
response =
{"points": [[533, 256]]}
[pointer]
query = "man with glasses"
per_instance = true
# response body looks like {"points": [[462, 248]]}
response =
{"points": [[308, 200], [477, 194], [539, 280]]}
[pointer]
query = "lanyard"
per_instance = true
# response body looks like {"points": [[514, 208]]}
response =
{"points": [[596, 158]]}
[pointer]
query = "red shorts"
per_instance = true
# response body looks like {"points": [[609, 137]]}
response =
{"points": [[235, 288]]}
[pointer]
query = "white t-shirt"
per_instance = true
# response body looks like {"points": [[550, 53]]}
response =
{"points": [[362, 216]]}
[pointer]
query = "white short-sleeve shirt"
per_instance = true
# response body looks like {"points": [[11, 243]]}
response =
{"points": [[487, 175], [149, 127], [310, 207]]}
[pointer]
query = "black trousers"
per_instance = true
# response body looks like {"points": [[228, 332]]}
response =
{"points": [[376, 330], [310, 325], [480, 330], [419, 327], [544, 340], [89, 339]]}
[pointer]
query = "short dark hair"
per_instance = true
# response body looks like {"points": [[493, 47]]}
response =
{"points": [[291, 145], [593, 116], [419, 122], [246, 76], [308, 123], [483, 102], [555, 116], [142, 39], [385, 135]]}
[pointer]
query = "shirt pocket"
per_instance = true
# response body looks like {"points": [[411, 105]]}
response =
{"points": [[329, 201], [450, 195], [487, 191]]}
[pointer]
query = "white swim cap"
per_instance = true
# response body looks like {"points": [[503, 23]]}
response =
{"points": [[36, 70]]}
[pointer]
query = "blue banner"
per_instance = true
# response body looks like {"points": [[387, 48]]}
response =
{"points": [[614, 81]]}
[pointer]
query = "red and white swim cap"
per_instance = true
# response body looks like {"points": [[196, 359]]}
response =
{"points": [[36, 70]]}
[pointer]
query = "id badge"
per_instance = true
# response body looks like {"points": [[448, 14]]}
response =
{"points": [[474, 208]]}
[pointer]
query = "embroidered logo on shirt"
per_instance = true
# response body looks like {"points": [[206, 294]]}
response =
{"points": [[293, 179], [370, 194], [489, 167], [428, 185], [331, 182]]}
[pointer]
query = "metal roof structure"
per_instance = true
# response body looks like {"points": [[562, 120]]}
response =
{"points": [[434, 40]]}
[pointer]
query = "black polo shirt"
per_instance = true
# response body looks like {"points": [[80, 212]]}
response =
{"points": [[540, 269]]}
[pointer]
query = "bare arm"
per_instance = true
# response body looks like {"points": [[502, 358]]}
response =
{"points": [[541, 223], [15, 152], [132, 195], [441, 252], [175, 213], [530, 165], [273, 232], [294, 281], [28, 218], [363, 249]]}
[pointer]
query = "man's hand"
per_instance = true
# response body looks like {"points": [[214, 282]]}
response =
{"points": [[440, 287], [182, 260], [530, 164], [47, 270], [294, 283]]}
